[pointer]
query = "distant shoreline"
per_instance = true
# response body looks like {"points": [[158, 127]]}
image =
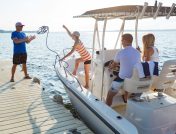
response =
{"points": [[10, 31]]}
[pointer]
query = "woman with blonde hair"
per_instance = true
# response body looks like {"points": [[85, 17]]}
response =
{"points": [[150, 52]]}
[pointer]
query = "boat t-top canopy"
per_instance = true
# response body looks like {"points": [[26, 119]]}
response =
{"points": [[129, 12]]}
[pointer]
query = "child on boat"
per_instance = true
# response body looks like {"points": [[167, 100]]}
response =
{"points": [[150, 52], [85, 56]]}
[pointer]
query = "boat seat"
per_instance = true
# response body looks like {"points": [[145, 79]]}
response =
{"points": [[174, 85], [136, 84], [167, 75]]}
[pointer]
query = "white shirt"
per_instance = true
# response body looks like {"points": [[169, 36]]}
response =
{"points": [[155, 55], [127, 58]]}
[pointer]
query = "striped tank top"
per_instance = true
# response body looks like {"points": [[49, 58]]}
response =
{"points": [[83, 52]]}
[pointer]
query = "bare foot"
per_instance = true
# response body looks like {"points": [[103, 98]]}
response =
{"points": [[87, 87], [12, 80]]}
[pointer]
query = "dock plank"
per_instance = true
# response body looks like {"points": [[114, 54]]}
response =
{"points": [[26, 109]]}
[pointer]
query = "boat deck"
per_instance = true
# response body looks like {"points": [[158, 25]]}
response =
{"points": [[120, 109], [26, 109]]}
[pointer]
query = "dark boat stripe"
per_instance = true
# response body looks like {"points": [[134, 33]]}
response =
{"points": [[103, 120]]}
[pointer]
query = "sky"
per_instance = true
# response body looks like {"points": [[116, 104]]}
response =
{"points": [[55, 13]]}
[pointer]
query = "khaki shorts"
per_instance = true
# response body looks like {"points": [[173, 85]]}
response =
{"points": [[115, 86]]}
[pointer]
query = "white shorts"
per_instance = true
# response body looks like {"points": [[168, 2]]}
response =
{"points": [[115, 86]]}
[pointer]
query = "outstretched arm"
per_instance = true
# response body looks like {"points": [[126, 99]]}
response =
{"points": [[69, 33], [73, 49], [30, 38]]}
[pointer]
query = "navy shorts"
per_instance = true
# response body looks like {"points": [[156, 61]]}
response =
{"points": [[156, 70], [87, 62], [20, 58], [147, 69], [118, 79]]}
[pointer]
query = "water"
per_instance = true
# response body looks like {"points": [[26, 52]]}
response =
{"points": [[41, 60]]}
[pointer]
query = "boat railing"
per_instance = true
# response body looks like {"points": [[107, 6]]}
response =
{"points": [[66, 71]]}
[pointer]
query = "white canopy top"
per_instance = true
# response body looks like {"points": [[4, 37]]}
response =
{"points": [[130, 12]]}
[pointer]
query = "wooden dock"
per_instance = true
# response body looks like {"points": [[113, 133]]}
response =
{"points": [[25, 109]]}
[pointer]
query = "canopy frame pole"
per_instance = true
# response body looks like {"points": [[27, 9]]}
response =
{"points": [[103, 42], [143, 10], [136, 28], [98, 36], [172, 8], [93, 51], [157, 11], [120, 33], [136, 32]]}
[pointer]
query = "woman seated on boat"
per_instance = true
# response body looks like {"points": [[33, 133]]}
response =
{"points": [[127, 58], [150, 52], [85, 56]]}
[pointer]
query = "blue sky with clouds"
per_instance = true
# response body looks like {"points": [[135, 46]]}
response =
{"points": [[55, 13]]}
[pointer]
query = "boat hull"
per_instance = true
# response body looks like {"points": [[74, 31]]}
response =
{"points": [[99, 117], [91, 118]]}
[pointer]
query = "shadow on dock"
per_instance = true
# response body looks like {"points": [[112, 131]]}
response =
{"points": [[54, 119], [9, 85]]}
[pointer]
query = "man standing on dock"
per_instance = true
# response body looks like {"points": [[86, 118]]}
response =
{"points": [[19, 51]]}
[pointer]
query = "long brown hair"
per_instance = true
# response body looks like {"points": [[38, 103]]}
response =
{"points": [[148, 41]]}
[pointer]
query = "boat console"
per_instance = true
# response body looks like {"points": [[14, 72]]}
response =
{"points": [[99, 90]]}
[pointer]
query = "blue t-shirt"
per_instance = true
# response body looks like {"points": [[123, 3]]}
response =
{"points": [[20, 47]]}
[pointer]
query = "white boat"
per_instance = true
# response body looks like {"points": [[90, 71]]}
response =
{"points": [[150, 113]]}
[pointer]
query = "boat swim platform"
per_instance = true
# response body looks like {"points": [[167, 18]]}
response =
{"points": [[26, 109]]}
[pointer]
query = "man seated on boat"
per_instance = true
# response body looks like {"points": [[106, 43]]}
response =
{"points": [[127, 58]]}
